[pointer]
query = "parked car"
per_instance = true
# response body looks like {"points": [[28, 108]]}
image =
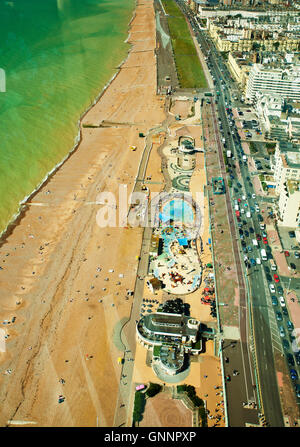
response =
{"points": [[297, 254], [292, 234], [297, 389], [287, 253], [290, 325], [278, 316], [276, 278], [274, 300], [294, 375]]}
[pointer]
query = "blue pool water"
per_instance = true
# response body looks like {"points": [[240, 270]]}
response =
{"points": [[177, 210]]}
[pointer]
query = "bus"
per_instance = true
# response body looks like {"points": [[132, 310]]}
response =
{"points": [[263, 255]]}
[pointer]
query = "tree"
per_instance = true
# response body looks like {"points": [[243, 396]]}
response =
{"points": [[154, 388]]}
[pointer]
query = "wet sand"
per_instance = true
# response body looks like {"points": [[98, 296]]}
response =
{"points": [[56, 261]]}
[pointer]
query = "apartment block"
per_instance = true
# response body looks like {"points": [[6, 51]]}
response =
{"points": [[284, 82]]}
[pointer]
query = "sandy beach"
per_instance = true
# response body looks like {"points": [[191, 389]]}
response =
{"points": [[64, 278]]}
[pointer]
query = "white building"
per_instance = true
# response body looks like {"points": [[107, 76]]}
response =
{"points": [[282, 82], [287, 178], [289, 204], [268, 105]]}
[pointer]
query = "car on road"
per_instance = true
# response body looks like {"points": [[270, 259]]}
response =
{"points": [[290, 359], [290, 326], [253, 196], [251, 230], [280, 290], [258, 237], [294, 375], [287, 253], [297, 254], [285, 344], [246, 233], [249, 249], [276, 278], [253, 262], [285, 312], [281, 331], [292, 337], [282, 302], [272, 288], [274, 300], [269, 277], [279, 316]]}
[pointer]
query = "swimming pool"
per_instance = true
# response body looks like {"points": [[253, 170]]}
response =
{"points": [[177, 210]]}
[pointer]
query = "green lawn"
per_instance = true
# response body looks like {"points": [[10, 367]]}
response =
{"points": [[189, 68]]}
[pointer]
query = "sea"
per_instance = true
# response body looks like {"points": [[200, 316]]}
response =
{"points": [[56, 57]]}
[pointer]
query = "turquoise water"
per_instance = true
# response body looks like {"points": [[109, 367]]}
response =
{"points": [[57, 56], [178, 210]]}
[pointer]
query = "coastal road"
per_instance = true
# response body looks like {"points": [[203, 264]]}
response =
{"points": [[237, 414], [265, 333]]}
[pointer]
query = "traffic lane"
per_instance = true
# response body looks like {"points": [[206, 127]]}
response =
{"points": [[238, 414], [265, 356], [266, 368]]}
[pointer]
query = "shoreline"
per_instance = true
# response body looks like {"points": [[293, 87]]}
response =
{"points": [[65, 278], [23, 204]]}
